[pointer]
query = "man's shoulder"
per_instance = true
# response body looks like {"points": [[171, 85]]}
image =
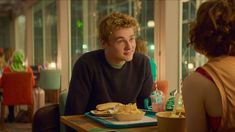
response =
{"points": [[92, 55], [140, 57]]}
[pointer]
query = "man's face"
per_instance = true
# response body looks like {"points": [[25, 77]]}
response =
{"points": [[120, 46]]}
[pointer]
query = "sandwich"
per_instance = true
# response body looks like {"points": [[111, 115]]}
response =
{"points": [[105, 109], [107, 106]]}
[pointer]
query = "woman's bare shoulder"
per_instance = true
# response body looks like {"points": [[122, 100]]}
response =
{"points": [[197, 87], [198, 83]]}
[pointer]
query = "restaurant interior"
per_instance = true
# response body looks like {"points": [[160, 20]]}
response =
{"points": [[54, 33]]}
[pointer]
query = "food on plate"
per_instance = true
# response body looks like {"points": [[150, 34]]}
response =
{"points": [[119, 111], [100, 113], [106, 106], [128, 112], [106, 109], [128, 109]]}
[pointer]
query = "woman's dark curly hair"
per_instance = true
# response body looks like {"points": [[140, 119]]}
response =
{"points": [[213, 31]]}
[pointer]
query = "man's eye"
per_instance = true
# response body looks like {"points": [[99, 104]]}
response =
{"points": [[120, 41], [132, 39]]}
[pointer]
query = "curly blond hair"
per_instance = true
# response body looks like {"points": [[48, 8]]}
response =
{"points": [[116, 21], [213, 31]]}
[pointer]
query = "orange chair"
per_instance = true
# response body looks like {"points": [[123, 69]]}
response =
{"points": [[163, 86], [17, 90]]}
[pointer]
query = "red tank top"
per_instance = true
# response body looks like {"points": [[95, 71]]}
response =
{"points": [[213, 122]]}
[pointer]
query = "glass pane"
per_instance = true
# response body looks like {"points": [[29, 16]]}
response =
{"points": [[193, 9], [20, 32], [51, 33], [185, 50], [185, 10], [190, 59], [4, 32], [145, 16], [38, 38], [77, 24]]}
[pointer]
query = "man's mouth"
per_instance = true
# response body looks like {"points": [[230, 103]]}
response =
{"points": [[127, 53]]}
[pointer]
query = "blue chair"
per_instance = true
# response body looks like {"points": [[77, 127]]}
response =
{"points": [[50, 81], [63, 98]]}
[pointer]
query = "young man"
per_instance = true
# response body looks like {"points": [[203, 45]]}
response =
{"points": [[112, 74]]}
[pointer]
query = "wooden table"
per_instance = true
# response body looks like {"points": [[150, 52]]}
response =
{"points": [[83, 124]]}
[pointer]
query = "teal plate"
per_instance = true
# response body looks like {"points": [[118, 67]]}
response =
{"points": [[148, 120]]}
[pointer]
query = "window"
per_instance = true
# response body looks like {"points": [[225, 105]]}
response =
{"points": [[5, 32], [38, 37], [20, 33], [189, 58], [45, 32], [51, 33]]}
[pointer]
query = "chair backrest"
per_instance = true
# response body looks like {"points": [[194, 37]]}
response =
{"points": [[35, 73], [46, 119], [49, 79], [63, 98], [17, 88], [163, 86]]}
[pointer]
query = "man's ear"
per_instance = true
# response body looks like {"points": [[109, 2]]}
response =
{"points": [[103, 43]]}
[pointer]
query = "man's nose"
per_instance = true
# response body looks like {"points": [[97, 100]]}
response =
{"points": [[128, 45]]}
